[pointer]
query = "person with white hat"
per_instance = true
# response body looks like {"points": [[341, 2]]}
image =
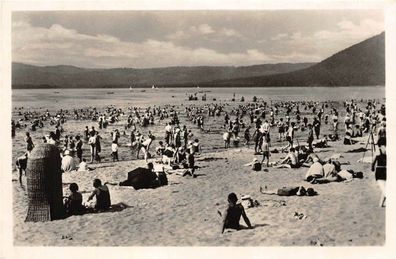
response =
{"points": [[68, 162]]}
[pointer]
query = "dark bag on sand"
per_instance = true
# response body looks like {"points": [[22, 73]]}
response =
{"points": [[163, 180], [256, 166]]}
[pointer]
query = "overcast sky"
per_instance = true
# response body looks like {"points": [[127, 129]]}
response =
{"points": [[143, 39]]}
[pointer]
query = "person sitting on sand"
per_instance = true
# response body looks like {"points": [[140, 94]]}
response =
{"points": [[160, 149], [290, 161], [196, 147], [322, 143], [73, 202], [102, 194], [311, 158], [68, 164], [233, 213], [357, 132], [83, 166], [348, 136], [168, 154], [330, 173]]}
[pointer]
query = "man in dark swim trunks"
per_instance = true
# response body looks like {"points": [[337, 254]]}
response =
{"points": [[233, 214], [379, 166]]}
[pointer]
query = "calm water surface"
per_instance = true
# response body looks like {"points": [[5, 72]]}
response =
{"points": [[69, 98]]}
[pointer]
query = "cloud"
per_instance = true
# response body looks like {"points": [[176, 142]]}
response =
{"points": [[205, 29], [59, 45], [279, 36]]}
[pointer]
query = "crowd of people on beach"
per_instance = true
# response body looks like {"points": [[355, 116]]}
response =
{"points": [[265, 127]]}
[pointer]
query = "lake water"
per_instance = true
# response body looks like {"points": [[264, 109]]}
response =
{"points": [[54, 99], [69, 98]]}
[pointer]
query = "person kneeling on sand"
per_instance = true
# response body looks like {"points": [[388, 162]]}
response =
{"points": [[290, 161], [233, 213], [102, 194]]}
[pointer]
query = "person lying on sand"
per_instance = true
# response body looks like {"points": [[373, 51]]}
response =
{"points": [[332, 173], [314, 171], [289, 191], [233, 213], [255, 165], [102, 194]]}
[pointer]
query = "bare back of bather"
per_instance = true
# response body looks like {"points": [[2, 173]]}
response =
{"points": [[233, 215]]}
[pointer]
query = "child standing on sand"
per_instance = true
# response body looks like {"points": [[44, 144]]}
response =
{"points": [[266, 151]]}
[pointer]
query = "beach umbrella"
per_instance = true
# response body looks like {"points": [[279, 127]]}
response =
{"points": [[44, 184]]}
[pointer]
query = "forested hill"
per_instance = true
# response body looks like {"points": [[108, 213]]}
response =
{"points": [[359, 65], [28, 76]]}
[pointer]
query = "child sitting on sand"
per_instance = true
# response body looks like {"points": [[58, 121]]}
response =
{"points": [[233, 214], [73, 202], [83, 166]]}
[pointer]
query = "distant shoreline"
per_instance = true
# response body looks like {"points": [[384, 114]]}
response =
{"points": [[170, 86]]}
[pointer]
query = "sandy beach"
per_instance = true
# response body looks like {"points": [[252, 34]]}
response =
{"points": [[184, 213]]}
